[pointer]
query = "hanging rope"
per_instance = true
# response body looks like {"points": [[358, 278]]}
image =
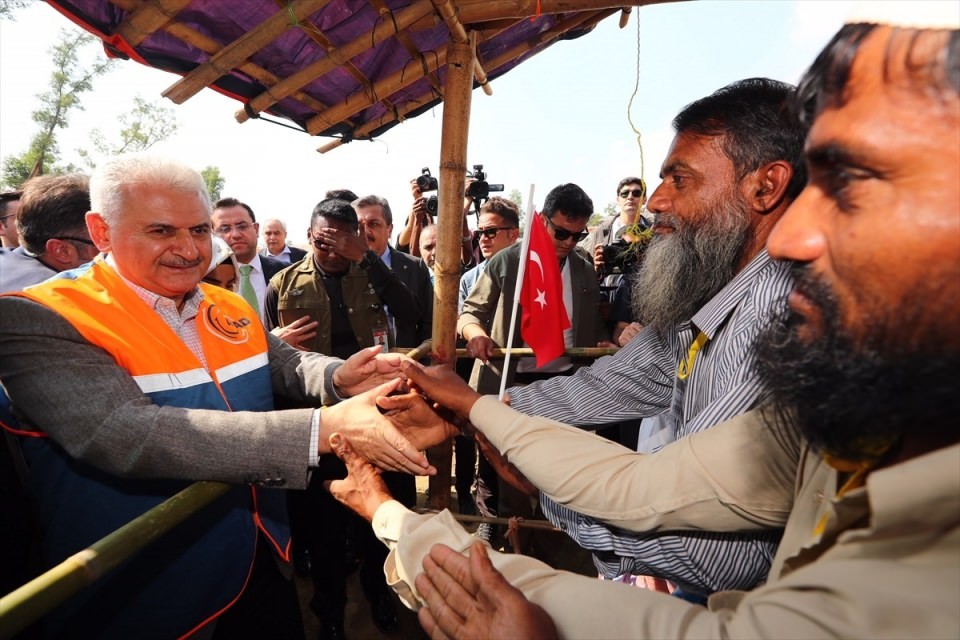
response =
{"points": [[636, 89]]}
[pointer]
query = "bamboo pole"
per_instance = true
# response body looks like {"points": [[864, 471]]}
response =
{"points": [[241, 49], [286, 87], [523, 352], [385, 87], [142, 23], [210, 46], [458, 91], [27, 604], [473, 11], [362, 132], [459, 34]]}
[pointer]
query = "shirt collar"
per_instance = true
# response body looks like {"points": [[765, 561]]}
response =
{"points": [[191, 301], [714, 314]]}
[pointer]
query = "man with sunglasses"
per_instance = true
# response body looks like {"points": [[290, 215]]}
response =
{"points": [[485, 318], [55, 237]]}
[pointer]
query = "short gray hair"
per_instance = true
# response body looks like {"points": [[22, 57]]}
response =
{"points": [[112, 179], [369, 201]]}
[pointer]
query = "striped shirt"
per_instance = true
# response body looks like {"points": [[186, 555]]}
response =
{"points": [[641, 381]]}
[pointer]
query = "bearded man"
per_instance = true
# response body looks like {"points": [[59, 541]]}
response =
{"points": [[706, 289], [861, 459]]}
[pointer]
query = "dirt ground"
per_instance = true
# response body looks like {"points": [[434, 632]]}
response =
{"points": [[553, 547]]}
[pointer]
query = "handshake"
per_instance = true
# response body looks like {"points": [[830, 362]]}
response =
{"points": [[388, 427]]}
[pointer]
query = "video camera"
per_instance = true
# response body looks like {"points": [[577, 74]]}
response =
{"points": [[620, 257], [480, 189]]}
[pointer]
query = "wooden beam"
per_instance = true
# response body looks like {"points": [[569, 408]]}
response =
{"points": [[586, 20], [403, 36], [238, 51], [388, 86], [381, 32], [210, 46], [149, 17], [459, 34], [473, 11], [457, 91]]}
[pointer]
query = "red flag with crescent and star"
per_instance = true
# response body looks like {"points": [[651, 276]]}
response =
{"points": [[544, 316]]}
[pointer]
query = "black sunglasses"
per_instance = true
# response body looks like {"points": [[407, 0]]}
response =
{"points": [[636, 193], [563, 235], [490, 232]]}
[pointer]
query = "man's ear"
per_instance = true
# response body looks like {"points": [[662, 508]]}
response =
{"points": [[99, 231], [61, 253], [767, 186]]}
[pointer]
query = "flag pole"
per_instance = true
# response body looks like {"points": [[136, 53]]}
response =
{"points": [[524, 249]]}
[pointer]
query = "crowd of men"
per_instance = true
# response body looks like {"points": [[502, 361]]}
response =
{"points": [[784, 463]]}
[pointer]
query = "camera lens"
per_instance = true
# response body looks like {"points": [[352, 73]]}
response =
{"points": [[433, 205]]}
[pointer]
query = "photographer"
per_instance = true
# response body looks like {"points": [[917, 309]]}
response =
{"points": [[422, 214], [631, 195]]}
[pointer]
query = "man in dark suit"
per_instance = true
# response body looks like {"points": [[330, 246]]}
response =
{"points": [[147, 380], [235, 222], [376, 227], [275, 243]]}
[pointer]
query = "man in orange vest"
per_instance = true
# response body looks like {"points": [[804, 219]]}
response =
{"points": [[129, 379]]}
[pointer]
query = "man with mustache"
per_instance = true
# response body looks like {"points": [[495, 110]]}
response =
{"points": [[706, 289], [129, 380], [859, 457]]}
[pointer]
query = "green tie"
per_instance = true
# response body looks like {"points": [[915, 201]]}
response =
{"points": [[246, 287]]}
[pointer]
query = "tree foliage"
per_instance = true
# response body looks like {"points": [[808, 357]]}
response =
{"points": [[8, 7], [139, 129], [68, 82], [215, 181]]}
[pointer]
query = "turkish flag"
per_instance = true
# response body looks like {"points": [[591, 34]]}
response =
{"points": [[544, 317]]}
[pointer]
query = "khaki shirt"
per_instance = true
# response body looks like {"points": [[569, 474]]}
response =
{"points": [[300, 292], [882, 561]]}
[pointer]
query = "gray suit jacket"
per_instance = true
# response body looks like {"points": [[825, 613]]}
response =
{"points": [[61, 384]]}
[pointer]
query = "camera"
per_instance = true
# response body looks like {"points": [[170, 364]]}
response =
{"points": [[432, 204], [621, 256], [426, 182], [480, 189]]}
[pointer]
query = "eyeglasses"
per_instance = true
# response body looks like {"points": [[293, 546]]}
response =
{"points": [[563, 235], [636, 193], [72, 239], [225, 229], [490, 232]]}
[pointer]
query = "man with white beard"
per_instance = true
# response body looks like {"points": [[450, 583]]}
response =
{"points": [[706, 289]]}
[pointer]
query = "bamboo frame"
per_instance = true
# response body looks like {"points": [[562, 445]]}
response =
{"points": [[150, 17], [210, 46], [458, 92], [240, 50], [286, 87], [26, 605]]}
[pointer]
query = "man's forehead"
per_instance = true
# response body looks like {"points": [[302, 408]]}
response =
{"points": [[371, 212], [692, 150], [231, 213]]}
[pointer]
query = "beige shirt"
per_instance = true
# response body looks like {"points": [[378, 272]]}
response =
{"points": [[882, 561]]}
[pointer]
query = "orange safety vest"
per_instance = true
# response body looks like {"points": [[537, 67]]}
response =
{"points": [[198, 570]]}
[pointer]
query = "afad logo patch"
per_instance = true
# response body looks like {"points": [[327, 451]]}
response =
{"points": [[222, 325]]}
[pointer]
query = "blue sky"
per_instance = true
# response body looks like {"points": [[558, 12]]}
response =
{"points": [[559, 117]]}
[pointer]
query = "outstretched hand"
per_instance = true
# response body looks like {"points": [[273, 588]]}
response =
{"points": [[442, 385], [413, 417], [371, 434], [365, 370], [467, 598], [363, 490]]}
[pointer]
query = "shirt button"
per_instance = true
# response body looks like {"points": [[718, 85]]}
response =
{"points": [[818, 497]]}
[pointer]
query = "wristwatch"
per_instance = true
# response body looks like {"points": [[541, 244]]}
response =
{"points": [[369, 259]]}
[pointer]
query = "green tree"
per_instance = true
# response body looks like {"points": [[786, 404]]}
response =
{"points": [[142, 127], [517, 198], [8, 7], [215, 181], [70, 79]]}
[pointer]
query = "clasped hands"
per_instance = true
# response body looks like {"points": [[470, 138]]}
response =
{"points": [[391, 431]]}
